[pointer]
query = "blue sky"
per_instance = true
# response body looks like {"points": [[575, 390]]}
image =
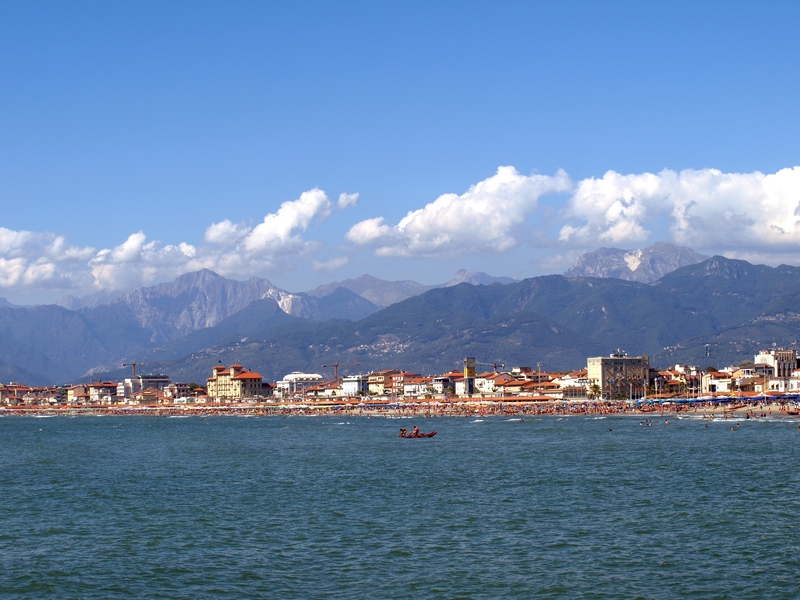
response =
{"points": [[141, 140]]}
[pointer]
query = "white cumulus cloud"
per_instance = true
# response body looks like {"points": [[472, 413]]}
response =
{"points": [[138, 261], [36, 260], [225, 233], [754, 216], [277, 233], [703, 208], [348, 200], [330, 265], [31, 261], [484, 218]]}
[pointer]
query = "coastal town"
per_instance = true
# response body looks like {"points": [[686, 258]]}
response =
{"points": [[616, 379]]}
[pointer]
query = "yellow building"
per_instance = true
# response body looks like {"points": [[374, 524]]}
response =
{"points": [[235, 383]]}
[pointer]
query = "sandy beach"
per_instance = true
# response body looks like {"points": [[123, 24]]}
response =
{"points": [[400, 410]]}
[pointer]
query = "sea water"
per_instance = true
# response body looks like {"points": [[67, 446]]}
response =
{"points": [[307, 507]]}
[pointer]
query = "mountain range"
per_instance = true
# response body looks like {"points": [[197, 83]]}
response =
{"points": [[79, 337], [385, 293], [720, 311], [728, 308]]}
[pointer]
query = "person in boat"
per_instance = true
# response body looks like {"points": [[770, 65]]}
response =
{"points": [[402, 432], [415, 433]]}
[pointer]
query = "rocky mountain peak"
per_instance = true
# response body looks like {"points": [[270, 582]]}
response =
{"points": [[645, 265]]}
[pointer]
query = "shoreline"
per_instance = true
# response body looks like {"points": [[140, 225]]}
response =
{"points": [[754, 410]]}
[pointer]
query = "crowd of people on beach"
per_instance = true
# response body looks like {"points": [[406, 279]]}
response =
{"points": [[711, 410]]}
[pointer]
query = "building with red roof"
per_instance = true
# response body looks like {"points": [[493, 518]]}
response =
{"points": [[236, 383]]}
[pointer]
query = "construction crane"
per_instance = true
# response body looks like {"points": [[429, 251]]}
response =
{"points": [[495, 366], [336, 366], [132, 366]]}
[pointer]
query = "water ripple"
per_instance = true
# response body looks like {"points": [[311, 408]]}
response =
{"points": [[190, 508]]}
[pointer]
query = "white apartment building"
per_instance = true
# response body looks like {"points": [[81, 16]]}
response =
{"points": [[352, 385], [782, 361], [135, 385], [297, 382]]}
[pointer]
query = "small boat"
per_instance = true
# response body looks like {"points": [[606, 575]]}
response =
{"points": [[411, 434]]}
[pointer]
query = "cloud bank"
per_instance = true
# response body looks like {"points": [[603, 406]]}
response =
{"points": [[732, 212], [485, 218], [755, 216], [32, 261]]}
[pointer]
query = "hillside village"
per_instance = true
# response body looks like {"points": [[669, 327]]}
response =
{"points": [[617, 377]]}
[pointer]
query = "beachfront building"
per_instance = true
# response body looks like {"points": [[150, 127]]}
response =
{"points": [[793, 383], [355, 385], [326, 389], [782, 361], [234, 383], [398, 382], [128, 388], [297, 382], [17, 394], [619, 375], [417, 387], [177, 390], [529, 374], [573, 385], [487, 383], [443, 383], [715, 382], [380, 382], [103, 392], [464, 386]]}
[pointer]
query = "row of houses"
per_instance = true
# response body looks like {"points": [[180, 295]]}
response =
{"points": [[142, 389], [617, 376]]}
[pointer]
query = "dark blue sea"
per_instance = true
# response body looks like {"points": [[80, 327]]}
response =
{"points": [[306, 507]]}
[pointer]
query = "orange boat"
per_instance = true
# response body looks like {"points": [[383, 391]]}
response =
{"points": [[412, 434]]}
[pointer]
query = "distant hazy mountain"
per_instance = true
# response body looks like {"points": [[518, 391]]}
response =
{"points": [[9, 373], [6, 304], [340, 304], [378, 291], [644, 265], [46, 344], [202, 299], [90, 301], [385, 293], [477, 278]]}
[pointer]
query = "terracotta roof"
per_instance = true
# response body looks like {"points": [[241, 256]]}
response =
{"points": [[248, 375]]}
